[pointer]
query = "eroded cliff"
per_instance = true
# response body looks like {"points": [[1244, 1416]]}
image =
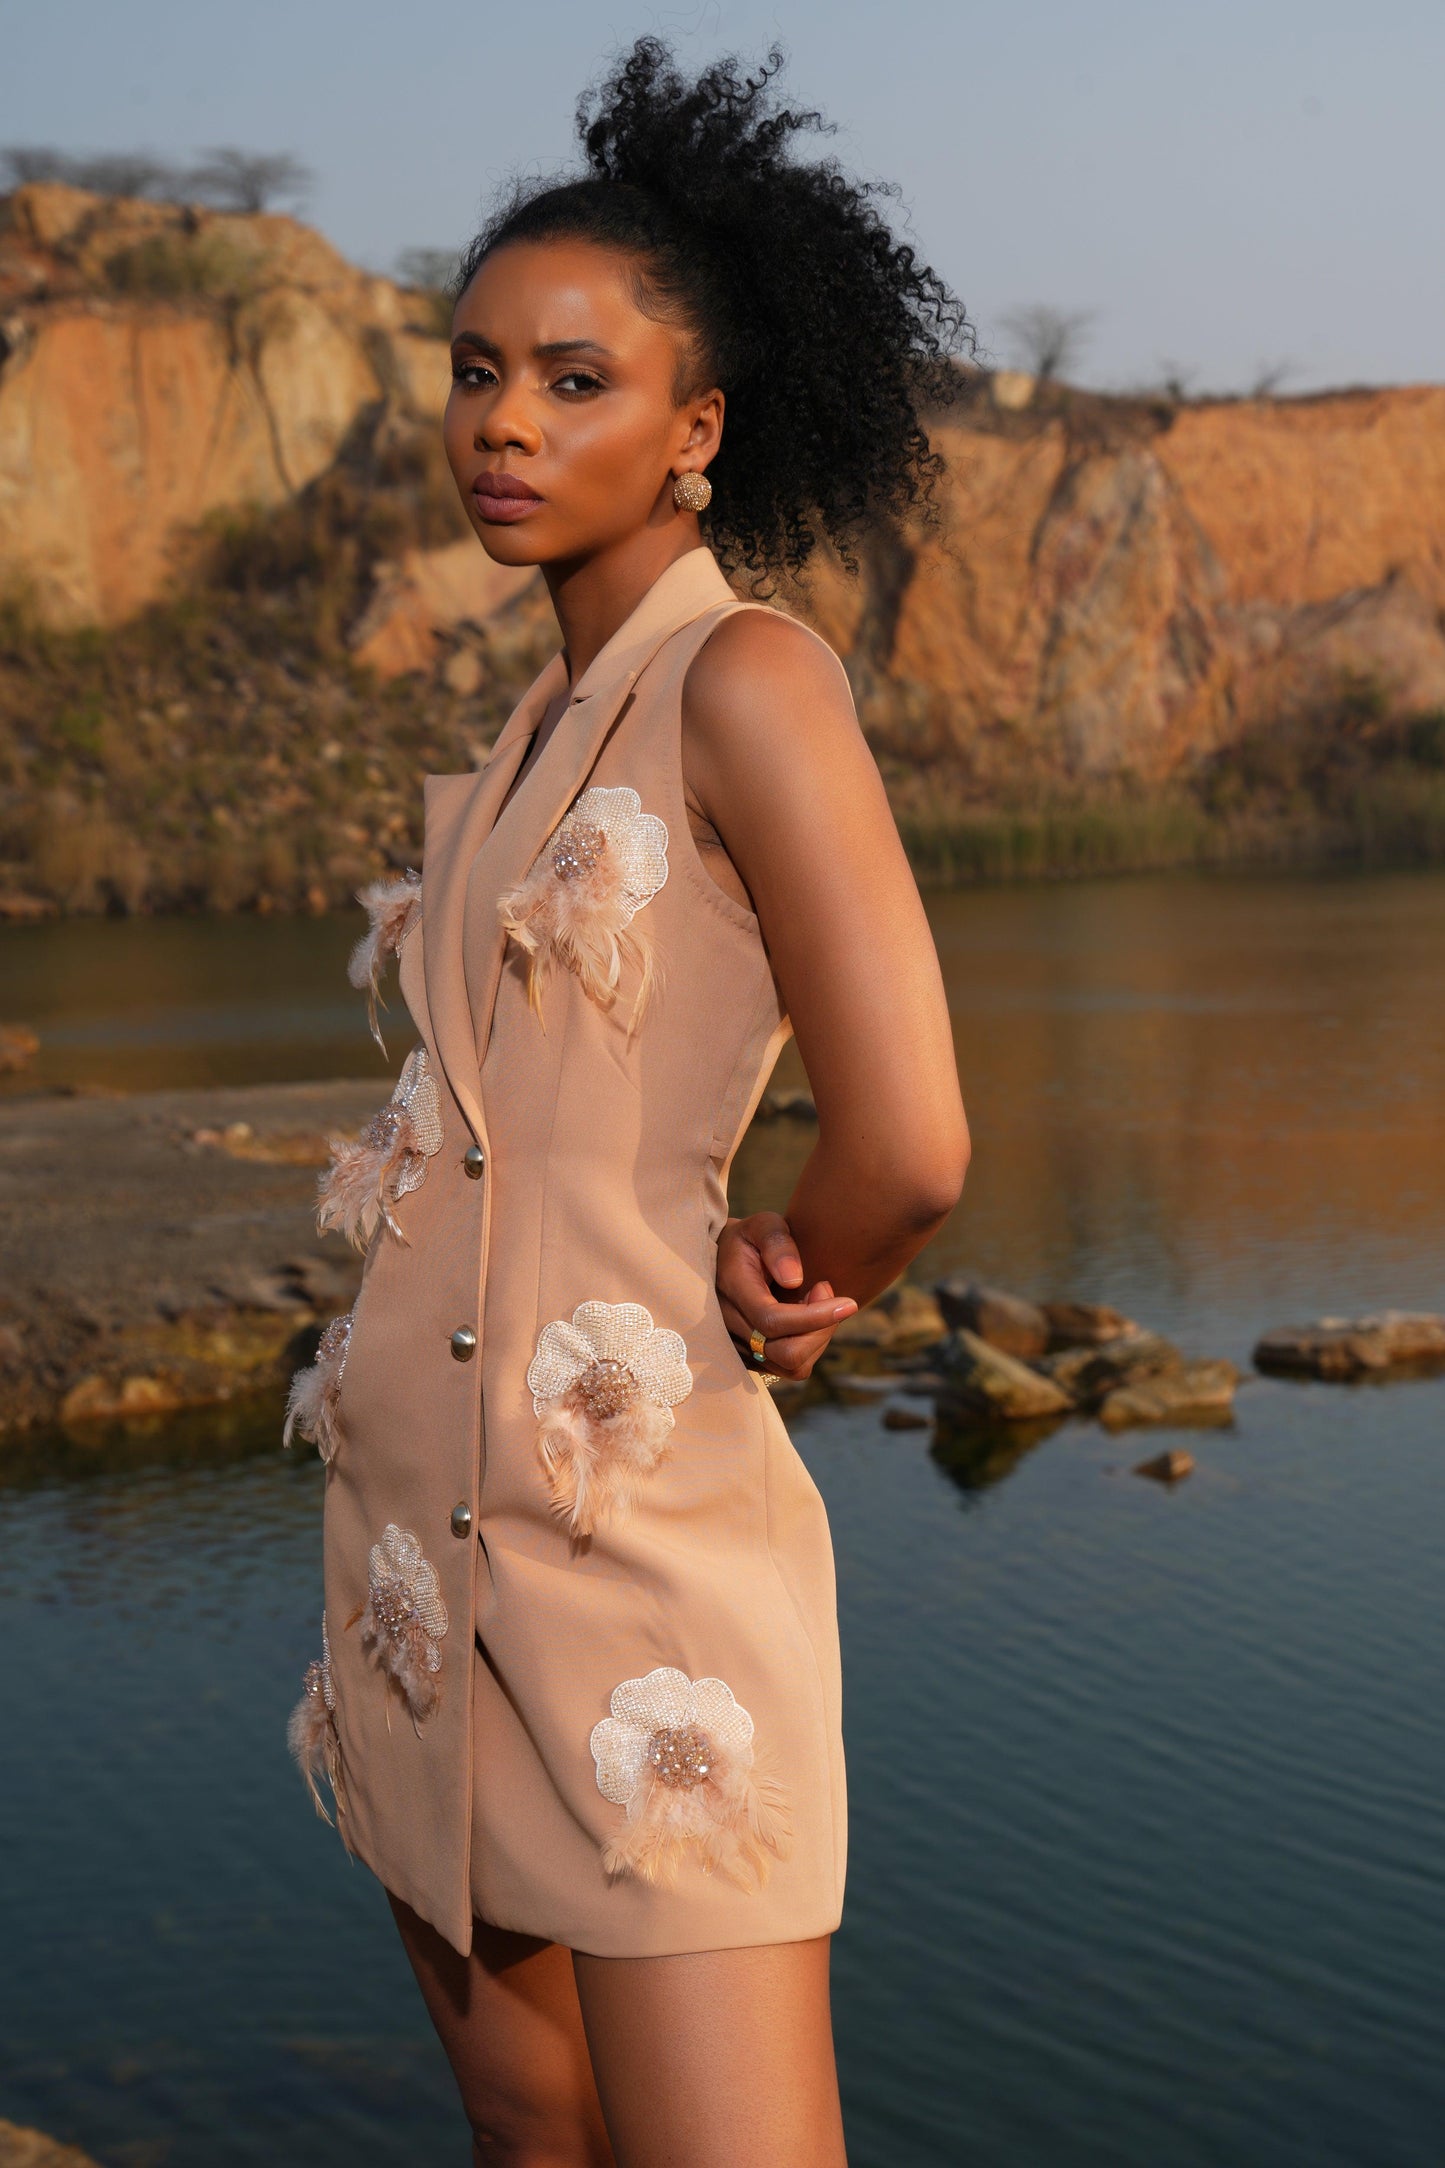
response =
{"points": [[1117, 594]]}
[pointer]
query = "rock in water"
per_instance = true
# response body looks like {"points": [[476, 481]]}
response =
{"points": [[980, 1379], [916, 1317], [1339, 1348], [1089, 1374], [1167, 1467], [905, 1419], [1195, 1392], [19, 1046], [1005, 1321], [1084, 1324], [22, 2148]]}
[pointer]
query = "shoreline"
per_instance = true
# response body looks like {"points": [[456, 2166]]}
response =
{"points": [[158, 1250]]}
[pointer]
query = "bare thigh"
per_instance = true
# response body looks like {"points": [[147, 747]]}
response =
{"points": [[509, 2021], [719, 2060]]}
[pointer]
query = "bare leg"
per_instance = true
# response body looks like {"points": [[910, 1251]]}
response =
{"points": [[509, 2022], [719, 2060]]}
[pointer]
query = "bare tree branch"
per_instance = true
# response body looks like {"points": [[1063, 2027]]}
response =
{"points": [[1048, 341], [237, 180], [428, 270]]}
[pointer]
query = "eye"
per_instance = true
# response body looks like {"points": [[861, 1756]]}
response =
{"points": [[578, 384], [476, 375]]}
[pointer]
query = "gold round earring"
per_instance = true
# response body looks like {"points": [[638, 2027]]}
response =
{"points": [[692, 492]]}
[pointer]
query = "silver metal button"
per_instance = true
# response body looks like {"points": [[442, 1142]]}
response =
{"points": [[474, 1159], [464, 1343], [461, 1518]]}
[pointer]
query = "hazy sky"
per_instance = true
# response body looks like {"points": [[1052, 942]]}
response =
{"points": [[1227, 184]]}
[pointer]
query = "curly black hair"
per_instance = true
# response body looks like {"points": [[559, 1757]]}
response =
{"points": [[827, 335]]}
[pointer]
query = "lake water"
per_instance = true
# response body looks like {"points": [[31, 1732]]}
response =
{"points": [[1146, 1862]]}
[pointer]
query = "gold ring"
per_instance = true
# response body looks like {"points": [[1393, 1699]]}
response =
{"points": [[757, 1342]]}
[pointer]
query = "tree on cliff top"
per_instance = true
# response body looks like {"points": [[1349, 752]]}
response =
{"points": [[230, 179], [236, 180], [1048, 341]]}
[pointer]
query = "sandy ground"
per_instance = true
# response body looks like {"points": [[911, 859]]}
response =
{"points": [[160, 1251]]}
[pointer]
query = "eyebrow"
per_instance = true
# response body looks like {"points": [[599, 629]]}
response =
{"points": [[476, 344]]}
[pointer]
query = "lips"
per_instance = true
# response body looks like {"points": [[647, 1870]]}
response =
{"points": [[503, 498]]}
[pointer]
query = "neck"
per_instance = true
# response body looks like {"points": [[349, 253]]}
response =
{"points": [[592, 596]]}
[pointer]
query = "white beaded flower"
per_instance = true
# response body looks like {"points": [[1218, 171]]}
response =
{"points": [[677, 1754], [605, 859], [604, 1385], [405, 1619], [314, 1399], [387, 1161]]}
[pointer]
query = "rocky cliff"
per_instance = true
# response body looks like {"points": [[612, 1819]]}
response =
{"points": [[1114, 591]]}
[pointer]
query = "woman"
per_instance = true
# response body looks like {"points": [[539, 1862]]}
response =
{"points": [[578, 1699]]}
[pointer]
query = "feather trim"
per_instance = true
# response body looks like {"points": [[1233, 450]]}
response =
{"points": [[600, 1468], [605, 860], [369, 1173], [389, 904], [677, 1755], [315, 1395], [735, 1824], [314, 1740]]}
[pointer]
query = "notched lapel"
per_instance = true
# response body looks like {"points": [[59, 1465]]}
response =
{"points": [[459, 812], [475, 850], [506, 854]]}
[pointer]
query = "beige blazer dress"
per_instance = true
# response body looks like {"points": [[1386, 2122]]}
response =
{"points": [[579, 1665]]}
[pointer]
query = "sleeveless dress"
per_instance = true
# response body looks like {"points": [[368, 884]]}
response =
{"points": [[579, 1670]]}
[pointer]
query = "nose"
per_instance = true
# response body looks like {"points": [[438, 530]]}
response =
{"points": [[507, 423]]}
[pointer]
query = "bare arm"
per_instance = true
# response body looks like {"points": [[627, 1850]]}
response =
{"points": [[774, 755]]}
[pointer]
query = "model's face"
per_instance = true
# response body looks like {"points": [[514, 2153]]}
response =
{"points": [[563, 428]]}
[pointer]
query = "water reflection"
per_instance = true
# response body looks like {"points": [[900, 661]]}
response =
{"points": [[1144, 1781]]}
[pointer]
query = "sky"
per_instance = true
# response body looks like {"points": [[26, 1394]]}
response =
{"points": [[1225, 187]]}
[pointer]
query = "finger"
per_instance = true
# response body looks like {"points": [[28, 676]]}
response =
{"points": [[779, 1251], [790, 1320], [742, 1277]]}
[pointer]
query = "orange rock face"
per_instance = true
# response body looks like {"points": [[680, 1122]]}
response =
{"points": [[229, 380], [1116, 587]]}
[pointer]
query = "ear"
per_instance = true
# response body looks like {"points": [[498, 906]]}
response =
{"points": [[703, 418]]}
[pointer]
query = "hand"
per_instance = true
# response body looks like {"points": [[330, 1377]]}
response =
{"points": [[756, 1255]]}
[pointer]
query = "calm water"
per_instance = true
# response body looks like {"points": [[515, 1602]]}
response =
{"points": [[1147, 1861]]}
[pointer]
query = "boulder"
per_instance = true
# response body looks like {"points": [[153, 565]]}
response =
{"points": [[905, 1419], [1089, 1374], [915, 1315], [980, 1379], [19, 1046], [870, 1327], [22, 2148], [1167, 1467], [1005, 1321], [1084, 1324], [1195, 1392], [1339, 1348]]}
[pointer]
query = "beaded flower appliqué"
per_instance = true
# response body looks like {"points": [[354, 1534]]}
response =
{"points": [[312, 1404], [404, 1619], [312, 1735], [677, 1754], [604, 1385], [389, 904], [602, 863], [388, 1160]]}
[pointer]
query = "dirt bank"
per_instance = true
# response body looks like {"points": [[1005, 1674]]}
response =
{"points": [[159, 1251]]}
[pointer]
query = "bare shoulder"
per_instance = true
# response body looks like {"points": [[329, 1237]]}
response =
{"points": [[757, 666]]}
